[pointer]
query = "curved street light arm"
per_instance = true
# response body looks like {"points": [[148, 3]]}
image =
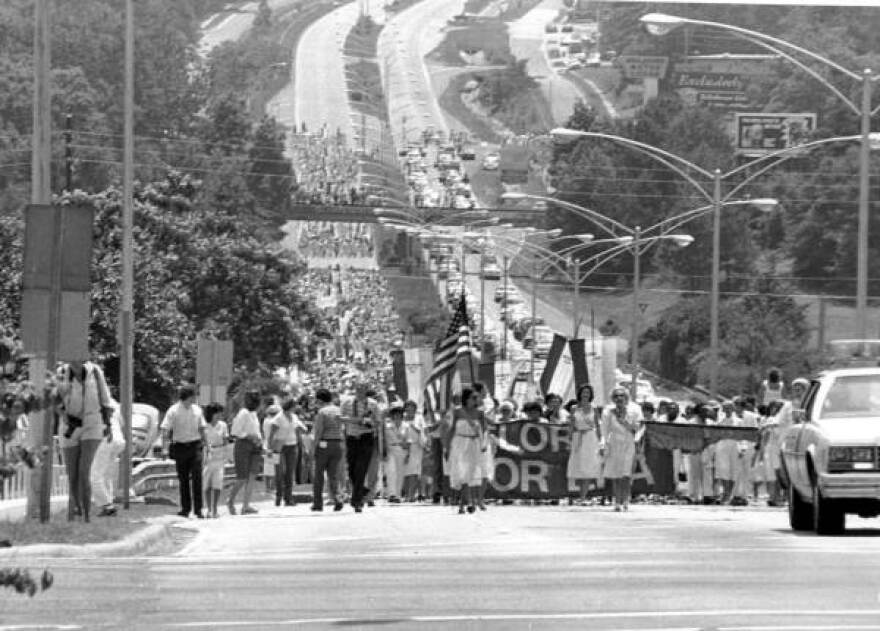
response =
{"points": [[749, 34], [655, 152], [788, 152], [810, 71], [592, 215]]}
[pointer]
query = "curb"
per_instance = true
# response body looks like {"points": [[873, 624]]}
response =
{"points": [[137, 541]]}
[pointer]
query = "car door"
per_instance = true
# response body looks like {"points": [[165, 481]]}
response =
{"points": [[796, 439]]}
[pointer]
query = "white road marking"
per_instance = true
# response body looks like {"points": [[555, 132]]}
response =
{"points": [[611, 615]]}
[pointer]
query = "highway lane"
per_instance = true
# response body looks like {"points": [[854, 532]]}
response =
{"points": [[230, 26], [403, 44], [526, 42], [319, 95], [512, 567]]}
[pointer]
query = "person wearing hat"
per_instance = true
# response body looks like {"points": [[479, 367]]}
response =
{"points": [[620, 424], [799, 388]]}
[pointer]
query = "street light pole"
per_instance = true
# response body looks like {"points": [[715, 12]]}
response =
{"points": [[504, 344], [634, 351], [715, 298], [482, 294], [534, 308], [126, 316], [575, 265], [864, 181]]}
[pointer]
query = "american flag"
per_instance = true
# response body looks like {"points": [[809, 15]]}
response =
{"points": [[457, 342]]}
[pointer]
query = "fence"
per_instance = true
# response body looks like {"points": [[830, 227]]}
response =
{"points": [[16, 486]]}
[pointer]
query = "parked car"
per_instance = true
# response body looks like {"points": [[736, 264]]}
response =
{"points": [[521, 326], [491, 161], [491, 271], [503, 290], [543, 339], [146, 438], [830, 454]]}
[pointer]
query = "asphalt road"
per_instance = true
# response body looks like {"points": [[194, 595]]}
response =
{"points": [[512, 567]]}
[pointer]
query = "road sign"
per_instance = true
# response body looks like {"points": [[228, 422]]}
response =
{"points": [[213, 368], [42, 225]]}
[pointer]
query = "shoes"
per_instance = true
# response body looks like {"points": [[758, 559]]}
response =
{"points": [[183, 513], [317, 509], [231, 508], [371, 503], [394, 499], [461, 510], [358, 509], [481, 506], [290, 503], [277, 501], [214, 515], [107, 511], [337, 507], [249, 511], [436, 499], [199, 516], [617, 508], [471, 509]]}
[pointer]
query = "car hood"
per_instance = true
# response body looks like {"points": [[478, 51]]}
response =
{"points": [[862, 430]]}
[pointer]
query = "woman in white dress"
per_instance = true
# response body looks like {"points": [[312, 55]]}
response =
{"points": [[466, 449], [583, 459], [621, 422]]}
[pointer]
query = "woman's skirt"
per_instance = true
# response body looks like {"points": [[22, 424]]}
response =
{"points": [[583, 460], [246, 459], [465, 462]]}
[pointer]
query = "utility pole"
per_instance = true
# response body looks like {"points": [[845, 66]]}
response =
{"points": [[126, 310], [42, 420], [68, 153]]}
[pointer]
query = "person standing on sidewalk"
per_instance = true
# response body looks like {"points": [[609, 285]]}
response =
{"points": [[246, 453], [283, 439], [327, 450], [183, 435], [87, 407], [216, 441], [105, 467], [361, 415]]}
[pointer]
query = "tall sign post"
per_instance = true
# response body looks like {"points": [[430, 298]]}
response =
{"points": [[213, 369]]}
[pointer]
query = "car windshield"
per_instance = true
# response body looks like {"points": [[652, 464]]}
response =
{"points": [[852, 396]]}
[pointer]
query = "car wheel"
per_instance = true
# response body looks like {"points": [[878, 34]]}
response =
{"points": [[800, 513], [828, 519]]}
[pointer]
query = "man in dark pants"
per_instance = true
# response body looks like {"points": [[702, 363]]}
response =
{"points": [[438, 432], [361, 416], [184, 429], [327, 450]]}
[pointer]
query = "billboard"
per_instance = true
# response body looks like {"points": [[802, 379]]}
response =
{"points": [[719, 81], [761, 133]]}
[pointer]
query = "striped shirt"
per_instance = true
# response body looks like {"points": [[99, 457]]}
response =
{"points": [[328, 424]]}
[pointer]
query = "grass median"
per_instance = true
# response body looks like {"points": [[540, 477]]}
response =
{"points": [[24, 532]]}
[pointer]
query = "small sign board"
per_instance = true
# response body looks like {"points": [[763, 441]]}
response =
{"points": [[760, 133], [643, 66]]}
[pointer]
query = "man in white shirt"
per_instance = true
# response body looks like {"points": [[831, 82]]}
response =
{"points": [[283, 439], [184, 428]]}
